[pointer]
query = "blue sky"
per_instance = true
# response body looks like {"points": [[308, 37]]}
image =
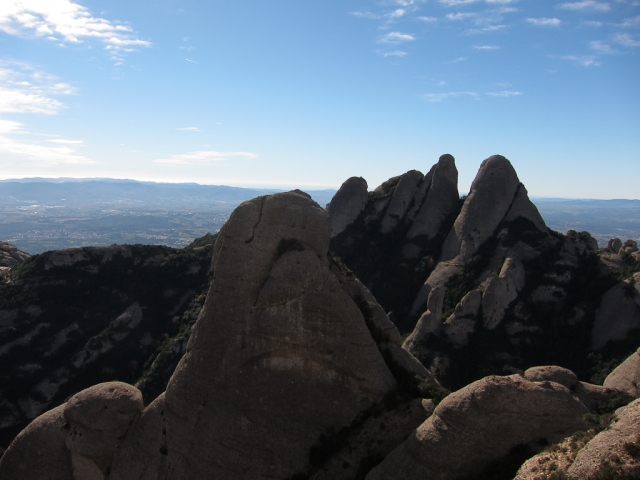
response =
{"points": [[306, 94]]}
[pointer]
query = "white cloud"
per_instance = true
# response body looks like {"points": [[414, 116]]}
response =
{"points": [[544, 22], [66, 142], [24, 89], [592, 23], [453, 3], [504, 93], [486, 47], [396, 37], [583, 61], [439, 97], [428, 19], [459, 16], [626, 40], [602, 48], [395, 53], [33, 153], [457, 60], [189, 60], [67, 22], [369, 15], [490, 28], [631, 22], [586, 5], [189, 129], [203, 157]]}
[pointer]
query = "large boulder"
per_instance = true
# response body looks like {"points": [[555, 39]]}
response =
{"points": [[347, 204], [480, 424], [280, 356], [619, 313], [10, 256], [39, 451], [77, 440], [626, 377]]}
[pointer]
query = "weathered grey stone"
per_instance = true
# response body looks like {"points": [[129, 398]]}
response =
{"points": [[381, 324], [279, 355], [401, 200], [607, 448], [613, 245], [629, 246], [491, 195], [143, 452], [626, 377], [378, 436], [523, 207], [481, 423], [420, 194], [617, 316], [347, 204], [463, 319], [437, 278], [593, 396], [441, 201], [501, 291], [10, 256], [548, 294], [98, 418], [552, 373], [430, 321], [39, 451]]}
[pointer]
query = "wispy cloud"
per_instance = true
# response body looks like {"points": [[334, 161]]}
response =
{"points": [[602, 48], [586, 6], [592, 23], [189, 60], [189, 129], [395, 53], [626, 40], [33, 153], [583, 60], [488, 29], [457, 60], [203, 157], [440, 97], [396, 37], [454, 3], [459, 16], [504, 93], [67, 22], [24, 89], [631, 22], [544, 22], [427, 19], [486, 47], [66, 142]]}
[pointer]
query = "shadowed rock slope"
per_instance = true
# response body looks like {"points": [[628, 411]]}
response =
{"points": [[75, 317], [484, 287]]}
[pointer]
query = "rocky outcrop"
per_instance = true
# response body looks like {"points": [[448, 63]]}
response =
{"points": [[500, 291], [10, 256], [463, 319], [626, 377], [280, 355], [401, 200], [482, 423], [612, 453], [77, 440], [619, 312], [441, 199], [347, 204], [552, 373], [430, 321]]}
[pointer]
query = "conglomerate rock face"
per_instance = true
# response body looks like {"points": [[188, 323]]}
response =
{"points": [[279, 356], [482, 423]]}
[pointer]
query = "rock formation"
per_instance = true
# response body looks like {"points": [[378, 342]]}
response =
{"points": [[611, 453], [347, 204], [482, 423], [626, 377]]}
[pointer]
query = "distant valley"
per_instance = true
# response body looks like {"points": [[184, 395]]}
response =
{"points": [[38, 215]]}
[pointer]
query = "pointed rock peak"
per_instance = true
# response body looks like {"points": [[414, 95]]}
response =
{"points": [[347, 204], [401, 200], [492, 193]]}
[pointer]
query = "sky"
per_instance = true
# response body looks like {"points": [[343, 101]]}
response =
{"points": [[302, 94]]}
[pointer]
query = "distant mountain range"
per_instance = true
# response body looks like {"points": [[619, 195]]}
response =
{"points": [[39, 214]]}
